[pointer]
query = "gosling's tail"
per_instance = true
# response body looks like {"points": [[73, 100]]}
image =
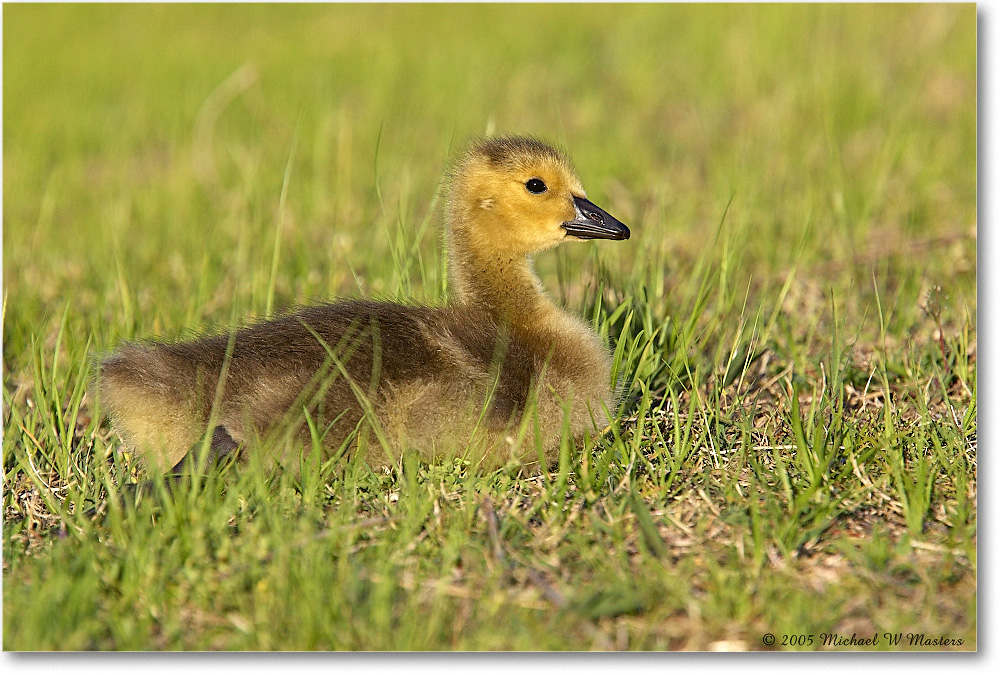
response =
{"points": [[159, 402]]}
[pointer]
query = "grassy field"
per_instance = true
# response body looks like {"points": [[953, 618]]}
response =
{"points": [[794, 322]]}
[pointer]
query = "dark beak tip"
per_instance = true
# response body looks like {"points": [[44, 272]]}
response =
{"points": [[595, 223]]}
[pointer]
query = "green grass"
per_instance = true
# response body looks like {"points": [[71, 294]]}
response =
{"points": [[794, 321]]}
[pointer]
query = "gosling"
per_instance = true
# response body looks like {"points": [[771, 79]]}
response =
{"points": [[500, 375]]}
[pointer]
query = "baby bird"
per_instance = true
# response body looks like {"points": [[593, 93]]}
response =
{"points": [[441, 381]]}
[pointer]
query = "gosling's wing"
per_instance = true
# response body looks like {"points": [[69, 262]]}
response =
{"points": [[161, 396]]}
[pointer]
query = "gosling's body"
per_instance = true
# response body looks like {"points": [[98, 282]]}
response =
{"points": [[439, 381]]}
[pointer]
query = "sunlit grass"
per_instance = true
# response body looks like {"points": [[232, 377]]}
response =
{"points": [[793, 323]]}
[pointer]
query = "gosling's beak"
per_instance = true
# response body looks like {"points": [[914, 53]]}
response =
{"points": [[593, 222]]}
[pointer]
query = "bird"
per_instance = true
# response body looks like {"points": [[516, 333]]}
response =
{"points": [[499, 374]]}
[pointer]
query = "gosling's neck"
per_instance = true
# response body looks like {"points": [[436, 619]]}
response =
{"points": [[507, 288], [505, 285]]}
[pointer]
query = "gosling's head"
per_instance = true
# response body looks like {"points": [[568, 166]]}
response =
{"points": [[515, 195]]}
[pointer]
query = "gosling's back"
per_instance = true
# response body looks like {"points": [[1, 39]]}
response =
{"points": [[422, 372]]}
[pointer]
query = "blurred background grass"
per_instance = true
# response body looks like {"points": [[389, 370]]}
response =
{"points": [[145, 152], [821, 121]]}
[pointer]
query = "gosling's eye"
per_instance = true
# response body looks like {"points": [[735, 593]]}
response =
{"points": [[536, 186]]}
